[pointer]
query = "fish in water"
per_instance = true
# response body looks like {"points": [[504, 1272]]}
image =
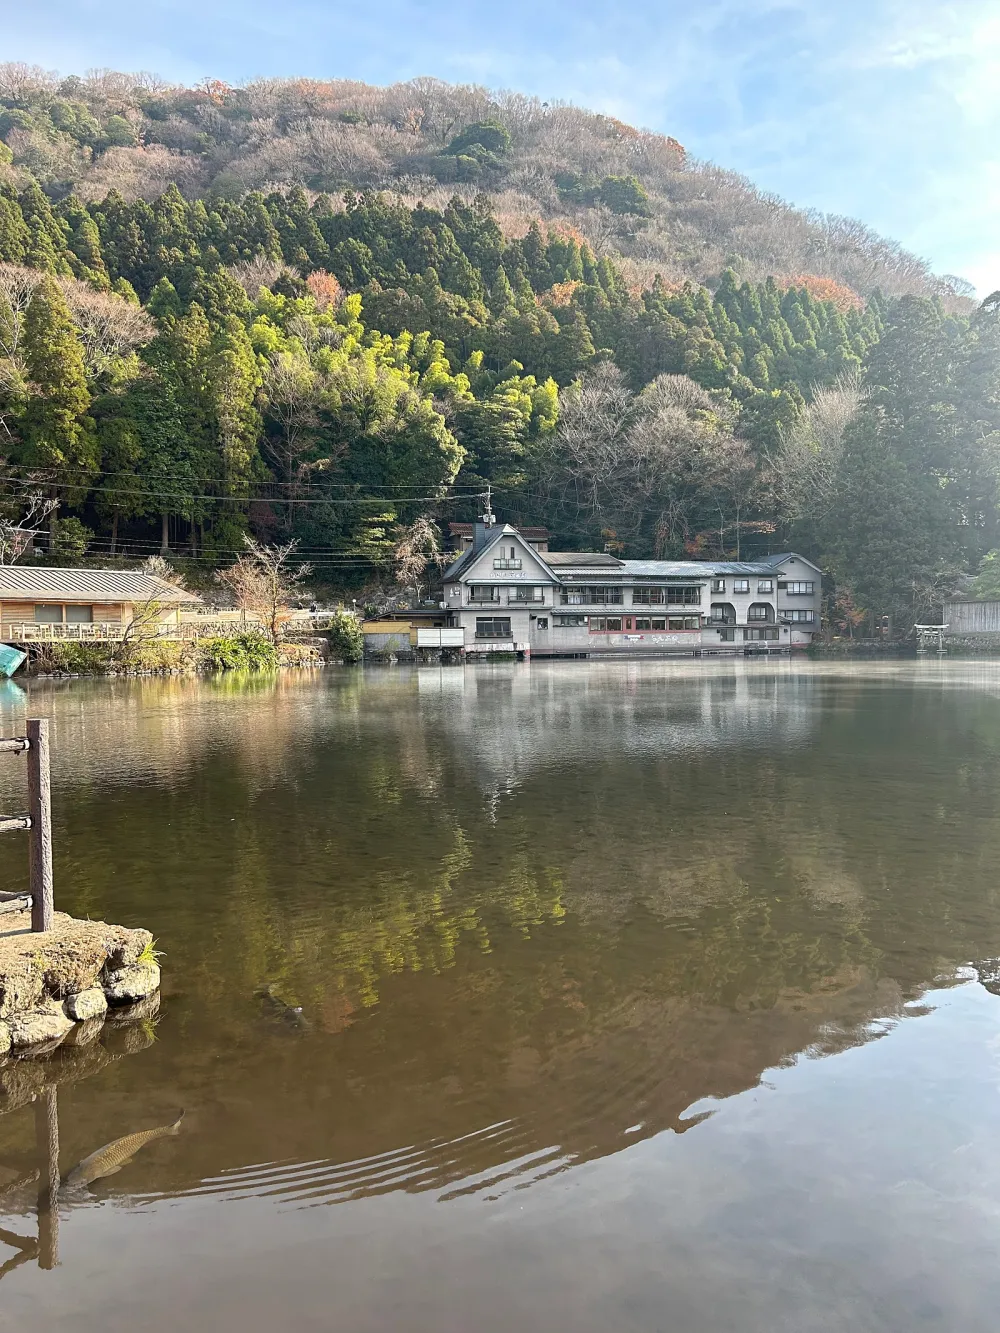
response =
{"points": [[113, 1156], [275, 1007]]}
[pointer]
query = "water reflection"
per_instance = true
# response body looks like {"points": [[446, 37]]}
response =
{"points": [[532, 917]]}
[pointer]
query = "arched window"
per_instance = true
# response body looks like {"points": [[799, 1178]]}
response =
{"points": [[760, 613], [722, 613]]}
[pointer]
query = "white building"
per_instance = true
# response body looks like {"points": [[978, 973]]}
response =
{"points": [[509, 596]]}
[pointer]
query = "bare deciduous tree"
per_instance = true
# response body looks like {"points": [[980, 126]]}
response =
{"points": [[804, 467], [19, 525], [417, 549], [263, 581]]}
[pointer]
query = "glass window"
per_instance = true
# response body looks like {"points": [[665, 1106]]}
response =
{"points": [[480, 593], [760, 611], [48, 615], [727, 635], [765, 585], [570, 622], [741, 585], [760, 635], [718, 585], [525, 594], [684, 596], [593, 596], [801, 588], [647, 596], [79, 615], [614, 625], [683, 622], [542, 622], [497, 627], [724, 611], [800, 616], [659, 624], [605, 624]]}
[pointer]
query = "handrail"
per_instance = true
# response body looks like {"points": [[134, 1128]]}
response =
{"points": [[38, 820]]}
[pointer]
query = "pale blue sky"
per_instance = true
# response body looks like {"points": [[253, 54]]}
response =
{"points": [[888, 110]]}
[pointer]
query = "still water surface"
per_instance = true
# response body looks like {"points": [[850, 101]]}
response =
{"points": [[640, 997]]}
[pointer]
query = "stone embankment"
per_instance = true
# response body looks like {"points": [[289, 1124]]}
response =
{"points": [[63, 980]]}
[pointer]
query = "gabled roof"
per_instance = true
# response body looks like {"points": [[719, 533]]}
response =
{"points": [[471, 553], [25, 582], [530, 534]]}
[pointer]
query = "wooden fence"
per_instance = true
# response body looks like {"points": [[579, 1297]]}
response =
{"points": [[37, 822]]}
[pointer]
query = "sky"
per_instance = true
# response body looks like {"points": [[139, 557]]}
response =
{"points": [[886, 110]]}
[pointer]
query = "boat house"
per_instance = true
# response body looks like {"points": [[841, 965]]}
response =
{"points": [[510, 596], [39, 605]]}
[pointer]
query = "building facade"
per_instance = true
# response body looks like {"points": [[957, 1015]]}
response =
{"points": [[507, 595]]}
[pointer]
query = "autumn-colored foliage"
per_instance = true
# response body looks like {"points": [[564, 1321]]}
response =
{"points": [[825, 289], [325, 288]]}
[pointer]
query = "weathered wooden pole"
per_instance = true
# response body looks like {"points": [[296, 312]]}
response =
{"points": [[40, 814], [47, 1143]]}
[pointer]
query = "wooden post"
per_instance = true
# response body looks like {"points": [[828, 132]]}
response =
{"points": [[40, 813], [47, 1143]]}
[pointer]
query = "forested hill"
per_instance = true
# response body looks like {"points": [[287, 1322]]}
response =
{"points": [[184, 358], [626, 190]]}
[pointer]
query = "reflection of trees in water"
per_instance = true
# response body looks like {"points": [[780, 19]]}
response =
{"points": [[644, 900]]}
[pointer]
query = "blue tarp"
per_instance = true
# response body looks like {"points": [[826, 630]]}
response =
{"points": [[10, 659]]}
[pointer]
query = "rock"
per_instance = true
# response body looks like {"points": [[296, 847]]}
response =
{"points": [[47, 1023], [86, 1004], [125, 985], [61, 961], [4, 1038]]}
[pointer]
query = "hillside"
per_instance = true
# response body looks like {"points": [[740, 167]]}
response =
{"points": [[625, 190], [536, 304]]}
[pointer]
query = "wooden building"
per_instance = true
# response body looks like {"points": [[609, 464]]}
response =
{"points": [[42, 605]]}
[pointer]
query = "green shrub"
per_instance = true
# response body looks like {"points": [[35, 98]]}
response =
{"points": [[347, 640], [248, 651], [85, 659]]}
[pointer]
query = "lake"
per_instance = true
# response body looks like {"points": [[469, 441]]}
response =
{"points": [[634, 997]]}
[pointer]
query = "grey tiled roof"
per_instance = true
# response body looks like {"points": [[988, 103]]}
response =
{"points": [[695, 569], [23, 582], [580, 560]]}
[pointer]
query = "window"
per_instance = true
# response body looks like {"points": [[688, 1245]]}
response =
{"points": [[684, 596], [718, 585], [592, 596], [79, 615], [542, 622], [765, 585], [799, 616], [507, 559], [605, 624], [647, 596], [570, 622], [684, 622], [741, 585], [48, 615], [723, 613], [497, 627], [760, 635], [651, 624], [480, 593], [761, 611], [525, 595], [727, 635], [802, 588]]}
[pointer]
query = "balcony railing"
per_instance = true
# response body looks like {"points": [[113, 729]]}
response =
{"points": [[518, 598]]}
